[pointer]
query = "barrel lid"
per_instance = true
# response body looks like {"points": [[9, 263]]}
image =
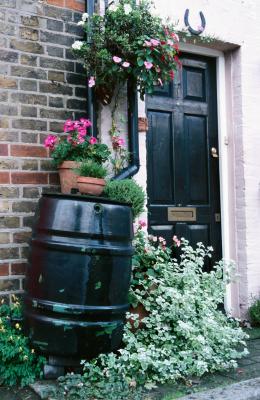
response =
{"points": [[82, 197]]}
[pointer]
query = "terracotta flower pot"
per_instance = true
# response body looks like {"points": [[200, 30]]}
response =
{"points": [[88, 185], [68, 177]]}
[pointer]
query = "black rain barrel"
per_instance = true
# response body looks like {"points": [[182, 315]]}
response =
{"points": [[78, 275]]}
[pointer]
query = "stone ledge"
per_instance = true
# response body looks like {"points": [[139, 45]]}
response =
{"points": [[245, 390]]}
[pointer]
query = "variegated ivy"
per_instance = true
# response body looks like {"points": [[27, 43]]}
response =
{"points": [[183, 333]]}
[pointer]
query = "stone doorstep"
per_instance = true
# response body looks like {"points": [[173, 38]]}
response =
{"points": [[44, 389], [245, 390]]}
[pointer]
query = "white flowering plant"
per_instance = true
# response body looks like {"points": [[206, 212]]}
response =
{"points": [[128, 43], [183, 333]]}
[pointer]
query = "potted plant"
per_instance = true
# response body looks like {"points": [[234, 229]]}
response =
{"points": [[91, 178], [126, 191], [127, 43], [75, 146]]}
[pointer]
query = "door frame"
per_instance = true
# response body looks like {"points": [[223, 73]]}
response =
{"points": [[223, 152]]}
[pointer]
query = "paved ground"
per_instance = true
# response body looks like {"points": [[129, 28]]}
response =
{"points": [[17, 394], [248, 369]]}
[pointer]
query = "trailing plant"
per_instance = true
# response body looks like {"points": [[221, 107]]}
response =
{"points": [[127, 43], [92, 169], [126, 191], [184, 333], [121, 155], [19, 363], [76, 145], [109, 385], [254, 313]]}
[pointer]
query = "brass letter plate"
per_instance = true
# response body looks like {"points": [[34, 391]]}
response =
{"points": [[182, 214]]}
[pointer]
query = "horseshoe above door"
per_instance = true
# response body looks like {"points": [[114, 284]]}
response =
{"points": [[190, 29]]}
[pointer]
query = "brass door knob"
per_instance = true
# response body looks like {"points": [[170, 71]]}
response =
{"points": [[214, 152]]}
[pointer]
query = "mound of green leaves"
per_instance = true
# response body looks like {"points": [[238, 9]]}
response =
{"points": [[127, 191], [254, 313], [92, 169], [84, 151], [19, 364], [183, 333]]}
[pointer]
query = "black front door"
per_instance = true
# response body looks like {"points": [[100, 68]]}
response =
{"points": [[182, 156]]}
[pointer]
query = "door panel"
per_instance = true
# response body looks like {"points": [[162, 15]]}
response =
{"points": [[181, 169], [195, 132], [161, 122], [194, 83]]}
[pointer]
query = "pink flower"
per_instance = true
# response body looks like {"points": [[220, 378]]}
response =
{"points": [[117, 142], [82, 131], [142, 223], [117, 60], [69, 139], [85, 122], [50, 141], [147, 43], [155, 238], [161, 239], [125, 64], [175, 36], [69, 125], [77, 124], [148, 65], [176, 241], [120, 142], [155, 42], [92, 140], [80, 139], [170, 42], [91, 82]]}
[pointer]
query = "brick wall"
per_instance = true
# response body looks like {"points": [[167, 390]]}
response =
{"points": [[41, 85]]}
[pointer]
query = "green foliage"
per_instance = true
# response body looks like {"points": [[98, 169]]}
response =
{"points": [[254, 313], [127, 191], [121, 155], [183, 332], [106, 386], [125, 31], [77, 145], [92, 169], [19, 363], [98, 152]]}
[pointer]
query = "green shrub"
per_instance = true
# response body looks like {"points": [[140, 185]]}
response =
{"points": [[92, 169], [110, 386], [254, 313], [19, 364], [127, 191], [183, 331]]}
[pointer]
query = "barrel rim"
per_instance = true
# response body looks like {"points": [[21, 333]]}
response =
{"points": [[81, 197], [73, 309]]}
